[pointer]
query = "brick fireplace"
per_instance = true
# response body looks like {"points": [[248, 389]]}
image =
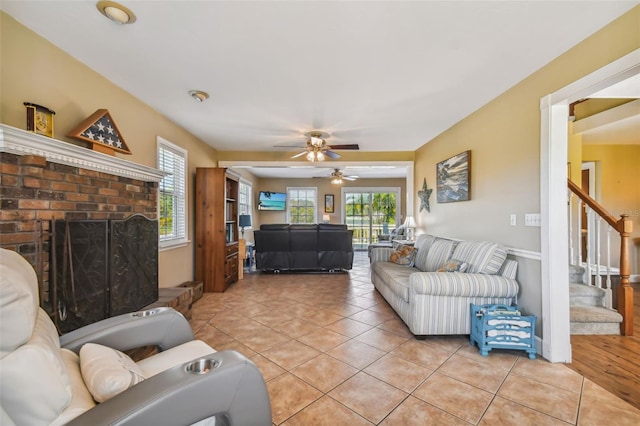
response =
{"points": [[43, 180]]}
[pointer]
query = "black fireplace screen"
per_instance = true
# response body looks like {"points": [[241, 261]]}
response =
{"points": [[103, 268]]}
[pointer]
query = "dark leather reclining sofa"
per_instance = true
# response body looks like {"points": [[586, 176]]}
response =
{"points": [[322, 247]]}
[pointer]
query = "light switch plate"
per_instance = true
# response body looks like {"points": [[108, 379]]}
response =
{"points": [[513, 219], [532, 219]]}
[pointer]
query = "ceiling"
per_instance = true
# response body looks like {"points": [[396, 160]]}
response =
{"points": [[389, 76]]}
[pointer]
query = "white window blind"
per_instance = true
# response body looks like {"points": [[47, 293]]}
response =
{"points": [[302, 205], [244, 197], [172, 194]]}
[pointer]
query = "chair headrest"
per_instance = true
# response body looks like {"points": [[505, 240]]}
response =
{"points": [[19, 301]]}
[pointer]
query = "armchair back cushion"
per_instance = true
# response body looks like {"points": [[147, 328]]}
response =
{"points": [[303, 240], [30, 350], [272, 246]]}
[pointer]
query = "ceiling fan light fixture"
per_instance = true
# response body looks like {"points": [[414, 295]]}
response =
{"points": [[199, 95], [336, 181], [316, 141], [116, 12], [319, 156]]}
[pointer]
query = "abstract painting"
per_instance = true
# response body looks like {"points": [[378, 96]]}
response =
{"points": [[454, 178]]}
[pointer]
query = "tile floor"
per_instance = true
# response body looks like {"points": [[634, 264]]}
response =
{"points": [[333, 352]]}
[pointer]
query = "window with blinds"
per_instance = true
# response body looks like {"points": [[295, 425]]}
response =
{"points": [[302, 205], [172, 197], [244, 197]]}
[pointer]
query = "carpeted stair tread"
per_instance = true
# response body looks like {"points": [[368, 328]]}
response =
{"points": [[585, 290], [594, 314], [576, 273]]}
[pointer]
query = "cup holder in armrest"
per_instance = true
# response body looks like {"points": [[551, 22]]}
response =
{"points": [[146, 313], [202, 366]]}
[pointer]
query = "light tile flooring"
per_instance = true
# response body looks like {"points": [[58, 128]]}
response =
{"points": [[333, 352]]}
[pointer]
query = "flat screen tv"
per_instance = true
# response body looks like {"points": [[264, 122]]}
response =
{"points": [[274, 201]]}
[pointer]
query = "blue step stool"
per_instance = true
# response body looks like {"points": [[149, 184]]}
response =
{"points": [[502, 327]]}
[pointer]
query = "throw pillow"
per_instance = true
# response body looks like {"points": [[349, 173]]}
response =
{"points": [[453, 265], [403, 255], [107, 372]]}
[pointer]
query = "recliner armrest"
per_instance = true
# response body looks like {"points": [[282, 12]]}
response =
{"points": [[234, 390], [162, 327]]}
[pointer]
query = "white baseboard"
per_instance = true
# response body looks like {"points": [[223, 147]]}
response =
{"points": [[634, 278]]}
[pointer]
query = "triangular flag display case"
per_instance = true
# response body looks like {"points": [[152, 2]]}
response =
{"points": [[101, 131]]}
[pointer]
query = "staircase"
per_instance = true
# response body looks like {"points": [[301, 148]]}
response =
{"points": [[590, 286], [588, 311]]}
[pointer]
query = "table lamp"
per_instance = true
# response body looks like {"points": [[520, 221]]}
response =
{"points": [[244, 221], [410, 224]]}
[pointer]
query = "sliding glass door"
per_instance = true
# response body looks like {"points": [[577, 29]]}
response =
{"points": [[370, 212]]}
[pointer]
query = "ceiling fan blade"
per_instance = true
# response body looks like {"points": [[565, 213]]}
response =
{"points": [[347, 146], [351, 178], [332, 155], [290, 145], [300, 154]]}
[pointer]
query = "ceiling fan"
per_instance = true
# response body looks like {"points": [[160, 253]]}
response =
{"points": [[317, 149], [337, 177]]}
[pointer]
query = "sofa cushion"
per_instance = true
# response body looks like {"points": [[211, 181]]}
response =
{"points": [[331, 227], [439, 251], [395, 276], [483, 257], [403, 255]]}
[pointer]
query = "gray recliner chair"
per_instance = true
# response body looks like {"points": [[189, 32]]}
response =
{"points": [[46, 379]]}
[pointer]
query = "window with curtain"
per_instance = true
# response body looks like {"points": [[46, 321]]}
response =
{"points": [[302, 205], [172, 194]]}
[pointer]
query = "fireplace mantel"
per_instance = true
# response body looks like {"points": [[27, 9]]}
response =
{"points": [[20, 142]]}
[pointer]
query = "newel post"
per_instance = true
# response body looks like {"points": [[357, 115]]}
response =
{"points": [[625, 291]]}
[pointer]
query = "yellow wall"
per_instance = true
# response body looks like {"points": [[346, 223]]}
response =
{"points": [[618, 189], [504, 137], [34, 70]]}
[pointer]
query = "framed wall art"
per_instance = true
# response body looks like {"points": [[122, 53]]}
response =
{"points": [[328, 203], [454, 178]]}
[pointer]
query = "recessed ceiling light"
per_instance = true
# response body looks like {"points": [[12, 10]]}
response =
{"points": [[199, 95], [116, 12]]}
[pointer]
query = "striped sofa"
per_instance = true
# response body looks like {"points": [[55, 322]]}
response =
{"points": [[437, 303]]}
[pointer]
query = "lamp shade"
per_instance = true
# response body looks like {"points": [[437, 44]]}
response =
{"points": [[409, 222], [244, 220]]}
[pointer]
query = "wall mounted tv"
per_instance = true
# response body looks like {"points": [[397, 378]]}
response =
{"points": [[274, 201]]}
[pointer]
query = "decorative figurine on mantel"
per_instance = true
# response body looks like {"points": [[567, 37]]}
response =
{"points": [[424, 195], [39, 119], [101, 131]]}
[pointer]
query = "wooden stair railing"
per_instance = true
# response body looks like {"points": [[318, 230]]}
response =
{"points": [[624, 227]]}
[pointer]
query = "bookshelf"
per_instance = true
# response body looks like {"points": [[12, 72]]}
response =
{"points": [[216, 228]]}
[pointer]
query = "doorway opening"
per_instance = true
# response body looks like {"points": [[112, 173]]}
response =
{"points": [[370, 212]]}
